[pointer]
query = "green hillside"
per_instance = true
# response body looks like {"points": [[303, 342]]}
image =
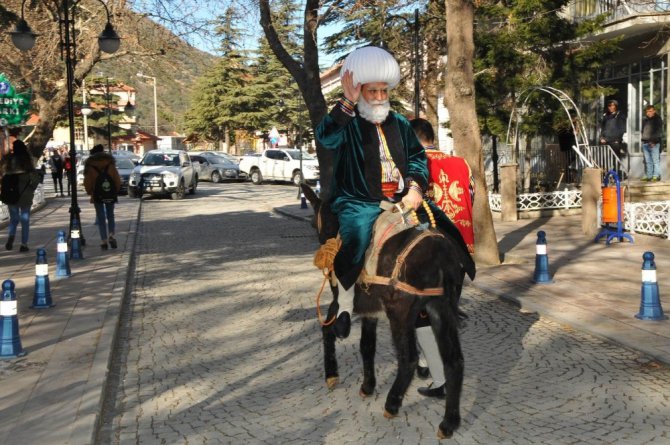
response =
{"points": [[176, 71]]}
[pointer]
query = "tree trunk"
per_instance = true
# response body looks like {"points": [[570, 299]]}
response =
{"points": [[460, 98], [306, 75], [226, 139]]}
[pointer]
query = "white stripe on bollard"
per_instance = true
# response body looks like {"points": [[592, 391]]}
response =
{"points": [[41, 270], [75, 233], [61, 247], [8, 308], [541, 249], [649, 276]]}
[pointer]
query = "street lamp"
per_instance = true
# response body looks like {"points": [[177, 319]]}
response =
{"points": [[108, 41], [155, 102], [86, 111]]}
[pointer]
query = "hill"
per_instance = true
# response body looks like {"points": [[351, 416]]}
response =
{"points": [[175, 64]]}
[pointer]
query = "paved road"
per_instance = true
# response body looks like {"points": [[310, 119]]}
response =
{"points": [[222, 346]]}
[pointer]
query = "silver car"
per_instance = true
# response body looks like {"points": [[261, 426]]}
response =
{"points": [[215, 168]]}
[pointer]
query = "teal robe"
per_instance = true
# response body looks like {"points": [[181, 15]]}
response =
{"points": [[356, 189]]}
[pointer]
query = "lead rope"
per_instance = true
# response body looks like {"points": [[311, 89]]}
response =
{"points": [[324, 259]]}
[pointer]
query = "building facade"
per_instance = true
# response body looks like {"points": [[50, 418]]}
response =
{"points": [[639, 72]]}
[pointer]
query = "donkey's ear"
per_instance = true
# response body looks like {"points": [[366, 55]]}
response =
{"points": [[310, 195]]}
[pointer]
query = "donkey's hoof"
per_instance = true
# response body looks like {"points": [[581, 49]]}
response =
{"points": [[448, 426], [442, 435], [332, 382], [364, 394], [388, 415]]}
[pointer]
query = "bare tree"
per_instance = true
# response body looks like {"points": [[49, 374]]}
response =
{"points": [[42, 68], [460, 98]]}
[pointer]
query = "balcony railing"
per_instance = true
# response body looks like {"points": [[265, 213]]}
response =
{"points": [[615, 9]]}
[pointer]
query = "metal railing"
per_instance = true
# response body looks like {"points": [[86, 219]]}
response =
{"points": [[545, 167], [615, 9], [527, 202], [650, 217]]}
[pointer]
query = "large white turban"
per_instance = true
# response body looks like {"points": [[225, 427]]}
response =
{"points": [[372, 64]]}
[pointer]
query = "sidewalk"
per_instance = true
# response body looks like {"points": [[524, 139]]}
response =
{"points": [[53, 394], [596, 288]]}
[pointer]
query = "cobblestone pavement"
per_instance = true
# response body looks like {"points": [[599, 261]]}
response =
{"points": [[222, 346]]}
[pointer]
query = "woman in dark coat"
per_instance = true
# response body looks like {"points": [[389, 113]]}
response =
{"points": [[20, 163]]}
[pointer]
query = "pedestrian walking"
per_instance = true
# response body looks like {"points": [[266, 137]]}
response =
{"points": [[102, 183], [19, 181], [56, 166], [67, 170], [651, 135]]}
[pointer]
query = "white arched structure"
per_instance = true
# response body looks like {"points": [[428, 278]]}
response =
{"points": [[574, 116]]}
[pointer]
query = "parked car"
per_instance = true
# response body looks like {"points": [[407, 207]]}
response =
{"points": [[128, 154], [168, 172], [123, 164], [125, 167], [280, 164], [222, 154], [215, 168]]}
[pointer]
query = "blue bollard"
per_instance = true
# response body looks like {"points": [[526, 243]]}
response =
{"points": [[650, 302], [541, 274], [62, 259], [75, 241], [42, 296], [303, 201], [10, 340]]}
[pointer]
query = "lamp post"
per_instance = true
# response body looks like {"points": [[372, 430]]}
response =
{"points": [[109, 41], [155, 102], [108, 112], [86, 111]]}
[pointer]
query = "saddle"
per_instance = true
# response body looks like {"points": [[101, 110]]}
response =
{"points": [[392, 221]]}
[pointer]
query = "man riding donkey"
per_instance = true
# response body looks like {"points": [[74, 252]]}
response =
{"points": [[377, 158]]}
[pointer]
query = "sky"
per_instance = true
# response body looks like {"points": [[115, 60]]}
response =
{"points": [[206, 10]]}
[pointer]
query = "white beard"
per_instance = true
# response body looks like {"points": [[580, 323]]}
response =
{"points": [[375, 112]]}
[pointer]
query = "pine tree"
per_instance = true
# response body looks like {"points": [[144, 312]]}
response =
{"points": [[220, 99], [280, 103]]}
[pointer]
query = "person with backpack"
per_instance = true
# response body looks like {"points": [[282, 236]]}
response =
{"points": [[17, 189], [102, 183]]}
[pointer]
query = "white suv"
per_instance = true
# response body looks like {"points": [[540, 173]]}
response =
{"points": [[167, 172]]}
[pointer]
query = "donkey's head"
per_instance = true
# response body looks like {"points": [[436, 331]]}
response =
{"points": [[324, 219]]}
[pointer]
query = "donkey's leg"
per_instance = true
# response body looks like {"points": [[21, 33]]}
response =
{"points": [[368, 347], [402, 318], [329, 356], [444, 321]]}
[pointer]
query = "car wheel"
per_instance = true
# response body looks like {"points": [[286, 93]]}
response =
{"points": [[194, 186], [132, 192], [297, 177], [216, 177], [180, 192], [256, 177]]}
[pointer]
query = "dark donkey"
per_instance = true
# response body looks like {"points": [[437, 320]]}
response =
{"points": [[436, 261]]}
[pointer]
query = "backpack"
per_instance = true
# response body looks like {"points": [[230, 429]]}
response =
{"points": [[105, 189], [9, 189]]}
